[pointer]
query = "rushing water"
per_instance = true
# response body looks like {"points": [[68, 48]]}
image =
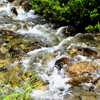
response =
{"points": [[43, 60]]}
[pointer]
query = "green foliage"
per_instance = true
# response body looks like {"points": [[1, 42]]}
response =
{"points": [[24, 93], [97, 26], [69, 10], [2, 65], [91, 28]]}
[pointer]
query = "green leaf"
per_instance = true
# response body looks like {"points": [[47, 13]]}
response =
{"points": [[2, 65], [1, 91]]}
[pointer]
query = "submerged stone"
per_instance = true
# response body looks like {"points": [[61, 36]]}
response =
{"points": [[3, 50], [33, 46], [41, 87], [15, 47], [7, 33], [79, 80], [16, 51], [77, 97], [29, 74], [16, 54], [9, 38], [96, 82], [13, 83], [85, 92], [73, 51]]}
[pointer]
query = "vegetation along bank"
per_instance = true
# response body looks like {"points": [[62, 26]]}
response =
{"points": [[82, 14]]}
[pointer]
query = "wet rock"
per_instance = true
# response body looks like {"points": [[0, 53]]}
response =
{"points": [[28, 77], [3, 50], [61, 62], [29, 74], [84, 92], [16, 54], [15, 48], [96, 82], [97, 36], [76, 97], [26, 6], [9, 38], [41, 87], [38, 82], [33, 46], [2, 41], [3, 61], [79, 80], [7, 33], [1, 5], [91, 97], [21, 2], [2, 55], [25, 28], [3, 68], [14, 11], [11, 0], [23, 47], [73, 51], [68, 31], [89, 53], [16, 51], [74, 70], [12, 83], [12, 75]]}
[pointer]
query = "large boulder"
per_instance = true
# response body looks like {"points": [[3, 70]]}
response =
{"points": [[75, 70], [61, 62]]}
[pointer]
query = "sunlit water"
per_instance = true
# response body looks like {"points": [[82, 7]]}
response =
{"points": [[43, 60]]}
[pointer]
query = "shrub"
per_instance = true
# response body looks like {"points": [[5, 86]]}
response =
{"points": [[69, 11], [93, 29]]}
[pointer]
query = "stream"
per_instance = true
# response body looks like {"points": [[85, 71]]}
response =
{"points": [[32, 44]]}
